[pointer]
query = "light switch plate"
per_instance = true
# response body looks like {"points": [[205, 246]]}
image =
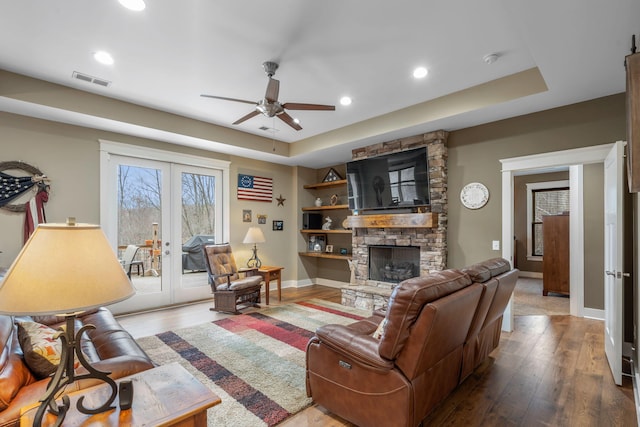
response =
{"points": [[496, 245]]}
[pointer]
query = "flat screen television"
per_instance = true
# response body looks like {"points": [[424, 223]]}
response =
{"points": [[396, 180]]}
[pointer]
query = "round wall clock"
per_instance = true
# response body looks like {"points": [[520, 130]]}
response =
{"points": [[474, 195]]}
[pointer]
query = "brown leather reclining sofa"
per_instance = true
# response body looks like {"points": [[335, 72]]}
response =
{"points": [[435, 331], [108, 348]]}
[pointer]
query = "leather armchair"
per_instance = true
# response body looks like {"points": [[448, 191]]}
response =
{"points": [[397, 379]]}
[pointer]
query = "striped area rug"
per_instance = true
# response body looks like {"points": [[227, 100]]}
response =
{"points": [[255, 362]]}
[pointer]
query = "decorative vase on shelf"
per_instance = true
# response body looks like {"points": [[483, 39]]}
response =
{"points": [[318, 202]]}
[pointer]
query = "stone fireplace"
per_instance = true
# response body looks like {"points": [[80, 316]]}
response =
{"points": [[423, 233]]}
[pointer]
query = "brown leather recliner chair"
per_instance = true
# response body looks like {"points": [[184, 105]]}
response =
{"points": [[397, 379], [499, 281]]}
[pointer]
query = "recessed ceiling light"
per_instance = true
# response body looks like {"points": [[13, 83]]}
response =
{"points": [[420, 72], [103, 57], [490, 58], [345, 100], [136, 5]]}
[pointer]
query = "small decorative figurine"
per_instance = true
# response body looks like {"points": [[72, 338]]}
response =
{"points": [[318, 202], [327, 223]]}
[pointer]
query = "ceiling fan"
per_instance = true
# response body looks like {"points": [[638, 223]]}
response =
{"points": [[270, 106]]}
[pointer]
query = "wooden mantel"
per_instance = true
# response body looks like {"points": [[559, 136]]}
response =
{"points": [[412, 220]]}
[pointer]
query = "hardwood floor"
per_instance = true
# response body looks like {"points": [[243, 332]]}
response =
{"points": [[550, 371]]}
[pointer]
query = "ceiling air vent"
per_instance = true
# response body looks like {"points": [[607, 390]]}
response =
{"points": [[268, 129], [90, 79]]}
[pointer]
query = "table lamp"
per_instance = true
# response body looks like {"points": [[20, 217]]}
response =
{"points": [[64, 270], [254, 235]]}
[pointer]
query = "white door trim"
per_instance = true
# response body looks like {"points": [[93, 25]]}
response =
{"points": [[547, 162]]}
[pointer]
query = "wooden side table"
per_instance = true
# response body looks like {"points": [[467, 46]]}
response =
{"points": [[268, 274], [165, 396]]}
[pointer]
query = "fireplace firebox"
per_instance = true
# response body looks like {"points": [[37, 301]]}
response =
{"points": [[393, 264]]}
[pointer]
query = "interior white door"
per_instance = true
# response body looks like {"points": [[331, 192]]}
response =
{"points": [[614, 256]]}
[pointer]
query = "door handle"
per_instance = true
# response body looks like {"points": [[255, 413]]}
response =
{"points": [[617, 275]]}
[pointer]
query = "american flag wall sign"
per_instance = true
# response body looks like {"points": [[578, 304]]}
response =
{"points": [[255, 188]]}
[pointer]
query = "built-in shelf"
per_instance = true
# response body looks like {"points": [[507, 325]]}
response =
{"points": [[341, 184], [326, 231], [326, 184], [327, 255], [325, 208], [412, 220]]}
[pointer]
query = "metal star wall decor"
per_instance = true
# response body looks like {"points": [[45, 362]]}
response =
{"points": [[280, 200]]}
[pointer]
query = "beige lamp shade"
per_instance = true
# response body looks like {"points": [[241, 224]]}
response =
{"points": [[64, 269], [254, 235]]}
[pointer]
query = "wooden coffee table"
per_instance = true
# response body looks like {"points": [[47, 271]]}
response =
{"points": [[268, 274], [163, 396]]}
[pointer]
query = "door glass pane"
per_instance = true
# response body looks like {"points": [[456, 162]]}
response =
{"points": [[139, 220], [198, 225]]}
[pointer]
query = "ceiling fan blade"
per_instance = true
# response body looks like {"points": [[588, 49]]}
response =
{"points": [[247, 117], [289, 120], [273, 88], [229, 99], [298, 106]]}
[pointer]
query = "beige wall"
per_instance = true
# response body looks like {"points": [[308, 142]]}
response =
{"points": [[69, 155], [594, 236], [475, 153]]}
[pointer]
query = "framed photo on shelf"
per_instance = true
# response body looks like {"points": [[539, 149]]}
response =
{"points": [[317, 242], [329, 248]]}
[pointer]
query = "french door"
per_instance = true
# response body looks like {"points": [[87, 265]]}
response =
{"points": [[167, 210]]}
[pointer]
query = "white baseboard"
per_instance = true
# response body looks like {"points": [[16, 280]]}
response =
{"points": [[294, 283], [593, 313], [530, 274], [310, 282]]}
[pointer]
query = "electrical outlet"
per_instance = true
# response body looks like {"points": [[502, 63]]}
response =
{"points": [[495, 245]]}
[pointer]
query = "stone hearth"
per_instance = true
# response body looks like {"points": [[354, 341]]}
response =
{"points": [[430, 238]]}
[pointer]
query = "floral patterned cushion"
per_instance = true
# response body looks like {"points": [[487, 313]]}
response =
{"points": [[41, 348]]}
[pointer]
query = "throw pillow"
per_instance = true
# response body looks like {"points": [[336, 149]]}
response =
{"points": [[41, 348]]}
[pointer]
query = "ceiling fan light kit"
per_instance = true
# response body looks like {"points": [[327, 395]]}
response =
{"points": [[269, 106]]}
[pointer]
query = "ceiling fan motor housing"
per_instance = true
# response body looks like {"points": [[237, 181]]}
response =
{"points": [[269, 109]]}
